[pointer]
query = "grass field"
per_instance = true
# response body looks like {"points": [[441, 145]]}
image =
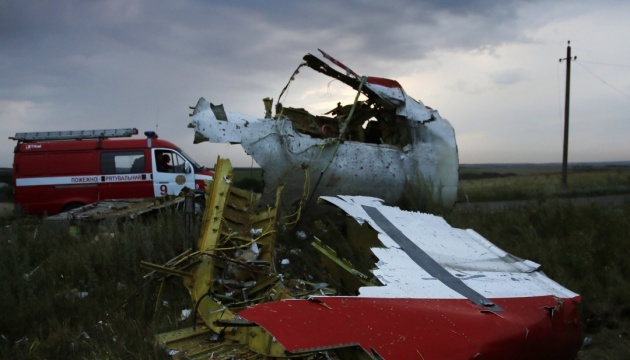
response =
{"points": [[531, 183], [67, 296], [582, 248]]}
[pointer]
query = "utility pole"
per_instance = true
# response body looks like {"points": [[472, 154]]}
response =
{"points": [[565, 147]]}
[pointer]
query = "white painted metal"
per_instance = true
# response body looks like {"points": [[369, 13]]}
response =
{"points": [[429, 164], [465, 254], [426, 166]]}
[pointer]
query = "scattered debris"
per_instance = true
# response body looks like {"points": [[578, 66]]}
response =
{"points": [[368, 281], [118, 208], [185, 314]]}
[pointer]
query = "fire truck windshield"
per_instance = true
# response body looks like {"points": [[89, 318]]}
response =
{"points": [[196, 165]]}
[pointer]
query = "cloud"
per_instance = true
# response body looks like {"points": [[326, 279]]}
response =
{"points": [[508, 77], [109, 63]]}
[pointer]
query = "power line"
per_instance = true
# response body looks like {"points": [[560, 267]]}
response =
{"points": [[602, 80], [605, 64]]}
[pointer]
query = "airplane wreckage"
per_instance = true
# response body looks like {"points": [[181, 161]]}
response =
{"points": [[371, 281], [389, 145], [363, 279]]}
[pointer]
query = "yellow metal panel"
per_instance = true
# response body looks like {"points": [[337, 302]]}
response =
{"points": [[231, 224]]}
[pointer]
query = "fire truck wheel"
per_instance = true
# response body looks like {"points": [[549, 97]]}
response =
{"points": [[72, 206]]}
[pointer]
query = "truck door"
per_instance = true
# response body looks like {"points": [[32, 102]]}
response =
{"points": [[124, 175], [171, 173]]}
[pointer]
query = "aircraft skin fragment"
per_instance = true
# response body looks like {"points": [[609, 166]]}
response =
{"points": [[423, 157], [498, 307], [424, 328], [466, 255]]}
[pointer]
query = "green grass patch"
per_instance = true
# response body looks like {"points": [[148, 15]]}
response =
{"points": [[543, 184]]}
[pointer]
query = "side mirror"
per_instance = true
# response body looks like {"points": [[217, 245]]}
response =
{"points": [[187, 168]]}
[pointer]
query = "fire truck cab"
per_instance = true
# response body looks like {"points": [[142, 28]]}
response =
{"points": [[58, 171]]}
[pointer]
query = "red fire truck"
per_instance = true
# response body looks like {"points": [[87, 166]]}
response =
{"points": [[58, 171]]}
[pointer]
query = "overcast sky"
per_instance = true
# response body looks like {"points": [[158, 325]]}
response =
{"points": [[491, 67]]}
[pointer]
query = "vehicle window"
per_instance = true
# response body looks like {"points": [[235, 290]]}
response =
{"points": [[169, 161], [196, 165], [122, 162]]}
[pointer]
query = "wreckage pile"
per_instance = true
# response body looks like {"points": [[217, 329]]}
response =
{"points": [[354, 277], [367, 281]]}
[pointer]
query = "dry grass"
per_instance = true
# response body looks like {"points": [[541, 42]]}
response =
{"points": [[70, 297]]}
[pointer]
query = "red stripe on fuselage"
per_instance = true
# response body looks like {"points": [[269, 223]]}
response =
{"points": [[384, 82], [528, 328]]}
